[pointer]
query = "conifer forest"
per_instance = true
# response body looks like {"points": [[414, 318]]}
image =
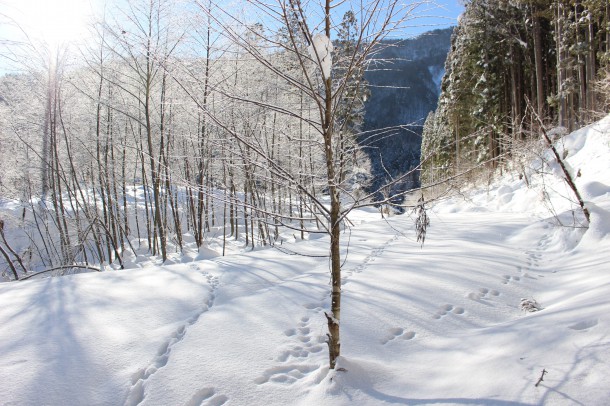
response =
{"points": [[513, 66]]}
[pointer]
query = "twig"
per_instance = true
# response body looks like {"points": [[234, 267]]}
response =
{"points": [[10, 248], [91, 268], [566, 173], [544, 371]]}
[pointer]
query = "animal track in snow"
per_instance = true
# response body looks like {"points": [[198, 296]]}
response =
{"points": [[584, 325], [206, 397], [528, 276], [445, 309], [377, 252], [544, 242], [305, 343], [397, 332], [138, 380], [534, 256], [285, 374], [483, 293], [508, 278], [313, 306]]}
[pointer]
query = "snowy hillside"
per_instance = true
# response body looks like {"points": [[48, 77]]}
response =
{"points": [[404, 84], [442, 324]]}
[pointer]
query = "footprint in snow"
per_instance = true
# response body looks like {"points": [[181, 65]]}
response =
{"points": [[313, 306], [285, 374], [375, 253], [544, 242], [397, 332], [584, 325], [483, 293], [445, 309], [207, 397], [161, 358], [507, 278], [304, 343]]}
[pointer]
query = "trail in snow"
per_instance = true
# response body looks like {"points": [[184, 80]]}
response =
{"points": [[377, 252], [139, 379], [207, 397], [293, 357]]}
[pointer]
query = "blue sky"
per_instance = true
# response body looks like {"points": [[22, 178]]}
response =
{"points": [[443, 15], [60, 19], [429, 15]]}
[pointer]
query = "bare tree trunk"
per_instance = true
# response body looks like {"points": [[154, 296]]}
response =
{"points": [[580, 67], [9, 263], [591, 67], [159, 230], [562, 119], [540, 99], [334, 318], [6, 256]]}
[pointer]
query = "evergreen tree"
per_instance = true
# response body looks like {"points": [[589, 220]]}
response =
{"points": [[504, 55]]}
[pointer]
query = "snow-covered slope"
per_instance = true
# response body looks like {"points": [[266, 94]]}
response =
{"points": [[442, 324]]}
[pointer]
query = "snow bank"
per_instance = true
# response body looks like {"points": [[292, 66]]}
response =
{"points": [[440, 324], [83, 339]]}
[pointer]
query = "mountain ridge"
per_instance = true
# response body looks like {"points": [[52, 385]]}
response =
{"points": [[404, 81]]}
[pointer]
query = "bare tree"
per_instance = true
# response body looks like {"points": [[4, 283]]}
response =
{"points": [[308, 42]]}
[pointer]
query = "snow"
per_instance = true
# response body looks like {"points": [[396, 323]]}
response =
{"points": [[320, 51], [442, 324], [437, 72]]}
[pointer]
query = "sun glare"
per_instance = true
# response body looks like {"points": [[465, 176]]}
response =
{"points": [[54, 22]]}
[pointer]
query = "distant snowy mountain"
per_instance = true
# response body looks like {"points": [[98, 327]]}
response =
{"points": [[405, 84]]}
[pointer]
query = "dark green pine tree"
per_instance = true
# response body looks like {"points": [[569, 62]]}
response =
{"points": [[510, 62]]}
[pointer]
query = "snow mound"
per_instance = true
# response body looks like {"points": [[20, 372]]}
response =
{"points": [[320, 51]]}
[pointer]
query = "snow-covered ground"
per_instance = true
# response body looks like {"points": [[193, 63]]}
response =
{"points": [[442, 324]]}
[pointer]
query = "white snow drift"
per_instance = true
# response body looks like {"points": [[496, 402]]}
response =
{"points": [[438, 325]]}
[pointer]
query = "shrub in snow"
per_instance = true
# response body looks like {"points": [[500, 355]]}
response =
{"points": [[529, 305], [557, 132]]}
